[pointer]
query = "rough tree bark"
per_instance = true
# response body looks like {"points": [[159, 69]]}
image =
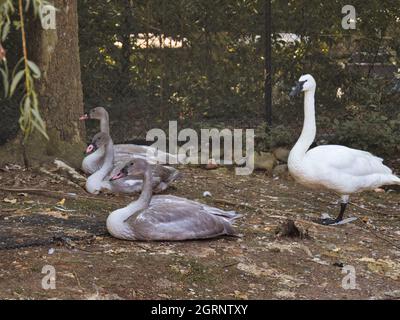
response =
{"points": [[56, 52]]}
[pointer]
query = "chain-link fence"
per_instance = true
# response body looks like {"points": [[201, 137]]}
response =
{"points": [[202, 63], [195, 62]]}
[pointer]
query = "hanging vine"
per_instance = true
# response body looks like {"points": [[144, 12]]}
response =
{"points": [[30, 118]]}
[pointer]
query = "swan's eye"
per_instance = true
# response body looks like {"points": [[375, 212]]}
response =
{"points": [[131, 163]]}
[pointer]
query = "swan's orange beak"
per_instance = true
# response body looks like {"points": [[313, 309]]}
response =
{"points": [[121, 174], [84, 117], [297, 89], [117, 176], [90, 148]]}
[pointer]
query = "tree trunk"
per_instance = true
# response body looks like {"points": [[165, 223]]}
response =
{"points": [[56, 52]]}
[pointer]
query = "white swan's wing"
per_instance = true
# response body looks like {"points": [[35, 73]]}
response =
{"points": [[173, 218], [178, 201], [346, 160]]}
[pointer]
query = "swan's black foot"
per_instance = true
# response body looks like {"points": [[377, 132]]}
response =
{"points": [[328, 221]]}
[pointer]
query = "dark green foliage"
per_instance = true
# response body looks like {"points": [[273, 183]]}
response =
{"points": [[217, 76]]}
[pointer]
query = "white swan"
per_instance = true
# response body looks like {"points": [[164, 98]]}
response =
{"points": [[100, 180], [167, 218], [333, 167], [93, 162]]}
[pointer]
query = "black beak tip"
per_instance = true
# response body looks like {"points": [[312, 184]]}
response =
{"points": [[293, 93], [297, 89]]}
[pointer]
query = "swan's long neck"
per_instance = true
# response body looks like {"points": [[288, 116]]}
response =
{"points": [[116, 221], [108, 160], [104, 124], [93, 184], [309, 128], [147, 190], [92, 162]]}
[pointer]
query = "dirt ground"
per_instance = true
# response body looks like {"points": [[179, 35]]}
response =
{"points": [[90, 264]]}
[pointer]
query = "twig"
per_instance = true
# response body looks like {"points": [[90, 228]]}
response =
{"points": [[24, 154], [57, 194], [72, 173], [77, 280], [25, 51], [230, 265], [59, 177], [371, 210], [9, 209], [143, 247]]}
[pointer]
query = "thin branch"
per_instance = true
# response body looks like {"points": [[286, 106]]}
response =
{"points": [[25, 51], [57, 194]]}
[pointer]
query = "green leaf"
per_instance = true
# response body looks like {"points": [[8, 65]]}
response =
{"points": [[17, 25], [35, 69], [6, 85], [6, 30], [27, 105], [38, 123], [28, 2], [15, 81], [24, 117], [16, 66], [2, 2]]}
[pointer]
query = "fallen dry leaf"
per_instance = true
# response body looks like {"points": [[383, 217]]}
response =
{"points": [[61, 202]]}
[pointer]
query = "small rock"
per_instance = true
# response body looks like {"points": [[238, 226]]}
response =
{"points": [[207, 194]]}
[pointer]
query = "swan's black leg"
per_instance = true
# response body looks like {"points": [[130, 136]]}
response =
{"points": [[342, 210], [339, 218]]}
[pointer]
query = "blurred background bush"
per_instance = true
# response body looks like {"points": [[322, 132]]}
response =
{"points": [[202, 63]]}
